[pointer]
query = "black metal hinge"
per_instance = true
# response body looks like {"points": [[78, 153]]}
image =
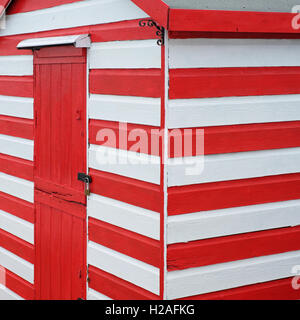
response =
{"points": [[160, 30]]}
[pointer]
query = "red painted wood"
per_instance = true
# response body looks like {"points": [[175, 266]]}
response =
{"points": [[16, 167], [60, 154], [237, 193], [230, 21], [239, 138], [17, 207], [17, 246], [19, 6], [156, 9], [124, 82], [125, 132], [138, 193], [3, 5], [116, 288], [232, 248], [16, 86], [126, 242], [226, 82], [274, 290], [20, 286], [16, 127]]}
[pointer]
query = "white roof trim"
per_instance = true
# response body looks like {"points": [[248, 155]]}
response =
{"points": [[79, 41]]}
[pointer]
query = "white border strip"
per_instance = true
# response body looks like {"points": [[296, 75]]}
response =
{"points": [[186, 113], [137, 110], [135, 54], [124, 267], [233, 166], [16, 187], [17, 265], [221, 53], [123, 215], [229, 275], [16, 65], [16, 107], [125, 163], [16, 147], [225, 222], [16, 226]]}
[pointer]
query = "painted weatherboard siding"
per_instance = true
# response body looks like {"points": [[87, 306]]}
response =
{"points": [[218, 53], [6, 294], [82, 13], [16, 65], [95, 295], [16, 106], [16, 147], [228, 275]]}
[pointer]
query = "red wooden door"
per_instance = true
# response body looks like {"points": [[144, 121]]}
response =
{"points": [[60, 154]]}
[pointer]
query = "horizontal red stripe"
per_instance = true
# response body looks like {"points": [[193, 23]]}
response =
{"points": [[138, 193], [116, 288], [16, 167], [274, 290], [230, 21], [225, 82], [238, 247], [31, 5], [20, 286], [17, 207], [17, 246], [117, 31], [16, 86], [124, 241], [16, 127], [125, 132], [237, 138], [125, 82], [237, 193]]}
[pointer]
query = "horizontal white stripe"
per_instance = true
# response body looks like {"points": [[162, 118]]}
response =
{"points": [[94, 295], [16, 147], [186, 113], [139, 54], [229, 275], [16, 107], [6, 294], [125, 109], [232, 166], [125, 163], [123, 215], [16, 226], [17, 265], [82, 13], [124, 267], [219, 53], [16, 187], [16, 65], [225, 222]]}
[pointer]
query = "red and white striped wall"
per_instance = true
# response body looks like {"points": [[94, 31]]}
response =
{"points": [[233, 230]]}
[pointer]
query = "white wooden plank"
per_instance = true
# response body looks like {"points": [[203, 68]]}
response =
{"points": [[139, 54], [186, 113], [232, 166], [123, 215], [16, 226], [225, 222], [125, 109], [16, 187], [6, 294], [17, 265], [95, 295], [16, 147], [16, 107], [124, 267], [221, 53], [16, 65], [229, 275], [125, 163], [81, 13]]}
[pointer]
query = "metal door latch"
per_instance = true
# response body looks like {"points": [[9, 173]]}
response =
{"points": [[87, 180]]}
